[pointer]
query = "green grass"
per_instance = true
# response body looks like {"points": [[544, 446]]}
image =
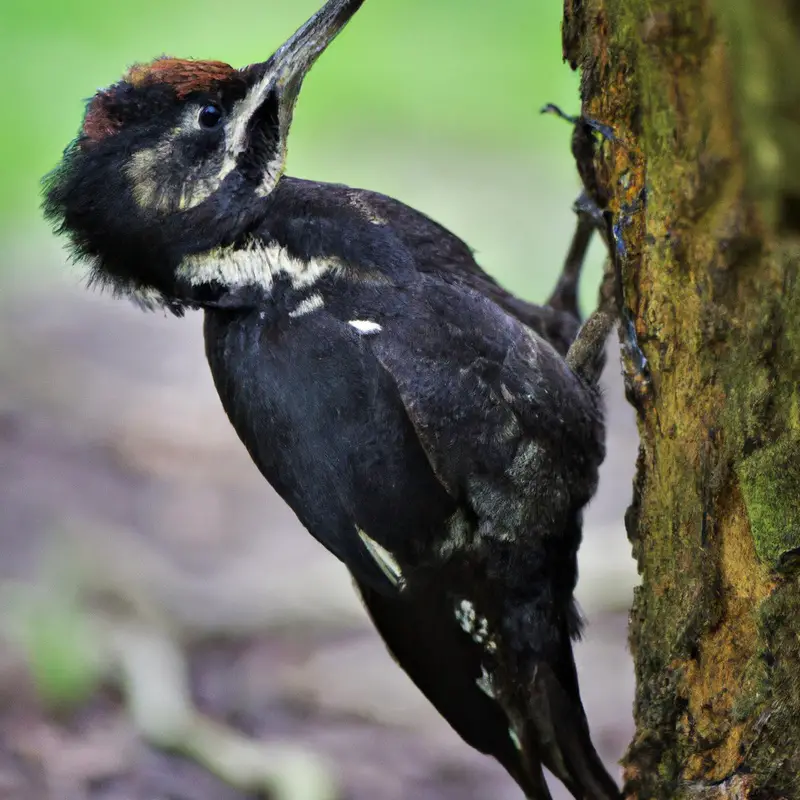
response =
{"points": [[468, 75]]}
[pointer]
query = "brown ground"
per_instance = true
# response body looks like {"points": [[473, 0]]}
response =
{"points": [[113, 446]]}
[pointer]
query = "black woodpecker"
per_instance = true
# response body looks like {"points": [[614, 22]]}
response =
{"points": [[438, 435]]}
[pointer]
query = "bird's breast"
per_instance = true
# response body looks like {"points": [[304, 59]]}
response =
{"points": [[323, 422]]}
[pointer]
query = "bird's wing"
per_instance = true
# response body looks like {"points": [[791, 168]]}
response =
{"points": [[343, 456], [512, 432], [478, 386]]}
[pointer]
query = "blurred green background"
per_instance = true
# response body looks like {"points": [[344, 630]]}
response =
{"points": [[435, 102]]}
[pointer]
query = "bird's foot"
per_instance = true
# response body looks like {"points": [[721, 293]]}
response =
{"points": [[635, 369], [592, 124], [593, 214]]}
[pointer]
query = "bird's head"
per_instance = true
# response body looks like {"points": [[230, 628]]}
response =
{"points": [[178, 157]]}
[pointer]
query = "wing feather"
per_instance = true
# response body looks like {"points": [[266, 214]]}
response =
{"points": [[496, 389]]}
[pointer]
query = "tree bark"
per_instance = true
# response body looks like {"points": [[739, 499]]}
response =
{"points": [[703, 97]]}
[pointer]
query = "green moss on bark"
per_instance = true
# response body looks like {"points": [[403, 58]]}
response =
{"points": [[770, 481]]}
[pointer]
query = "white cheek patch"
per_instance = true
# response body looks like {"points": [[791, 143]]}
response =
{"points": [[146, 173], [146, 168], [143, 171], [365, 326], [273, 171]]}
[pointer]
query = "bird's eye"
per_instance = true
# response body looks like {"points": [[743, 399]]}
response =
{"points": [[210, 116]]}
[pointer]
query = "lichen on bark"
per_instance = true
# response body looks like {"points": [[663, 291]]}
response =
{"points": [[708, 135]]}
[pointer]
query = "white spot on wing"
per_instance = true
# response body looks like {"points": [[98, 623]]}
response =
{"points": [[365, 326], [311, 303], [459, 533], [360, 202], [515, 739], [465, 614], [477, 627], [384, 559], [486, 684]]}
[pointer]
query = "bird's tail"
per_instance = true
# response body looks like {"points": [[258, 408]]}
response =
{"points": [[558, 734], [546, 709]]}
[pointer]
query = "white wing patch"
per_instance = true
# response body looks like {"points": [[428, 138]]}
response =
{"points": [[365, 327], [311, 303], [477, 627], [486, 684], [384, 559], [470, 623]]}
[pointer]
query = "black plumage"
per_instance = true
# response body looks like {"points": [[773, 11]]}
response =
{"points": [[438, 435]]}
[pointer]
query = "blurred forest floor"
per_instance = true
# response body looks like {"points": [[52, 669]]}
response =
{"points": [[126, 498]]}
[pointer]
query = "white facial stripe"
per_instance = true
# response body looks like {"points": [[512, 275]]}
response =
{"points": [[273, 171], [236, 136], [146, 166], [384, 559], [243, 110], [308, 305], [365, 326], [254, 265]]}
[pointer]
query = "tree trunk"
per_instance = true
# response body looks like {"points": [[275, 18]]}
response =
{"points": [[703, 97]]}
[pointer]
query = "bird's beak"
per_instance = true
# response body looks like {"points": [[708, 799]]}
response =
{"points": [[277, 81], [290, 64]]}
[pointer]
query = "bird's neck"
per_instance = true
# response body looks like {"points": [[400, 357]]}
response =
{"points": [[307, 233]]}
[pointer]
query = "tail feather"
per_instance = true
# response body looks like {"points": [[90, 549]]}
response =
{"points": [[541, 697], [445, 664], [561, 732]]}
